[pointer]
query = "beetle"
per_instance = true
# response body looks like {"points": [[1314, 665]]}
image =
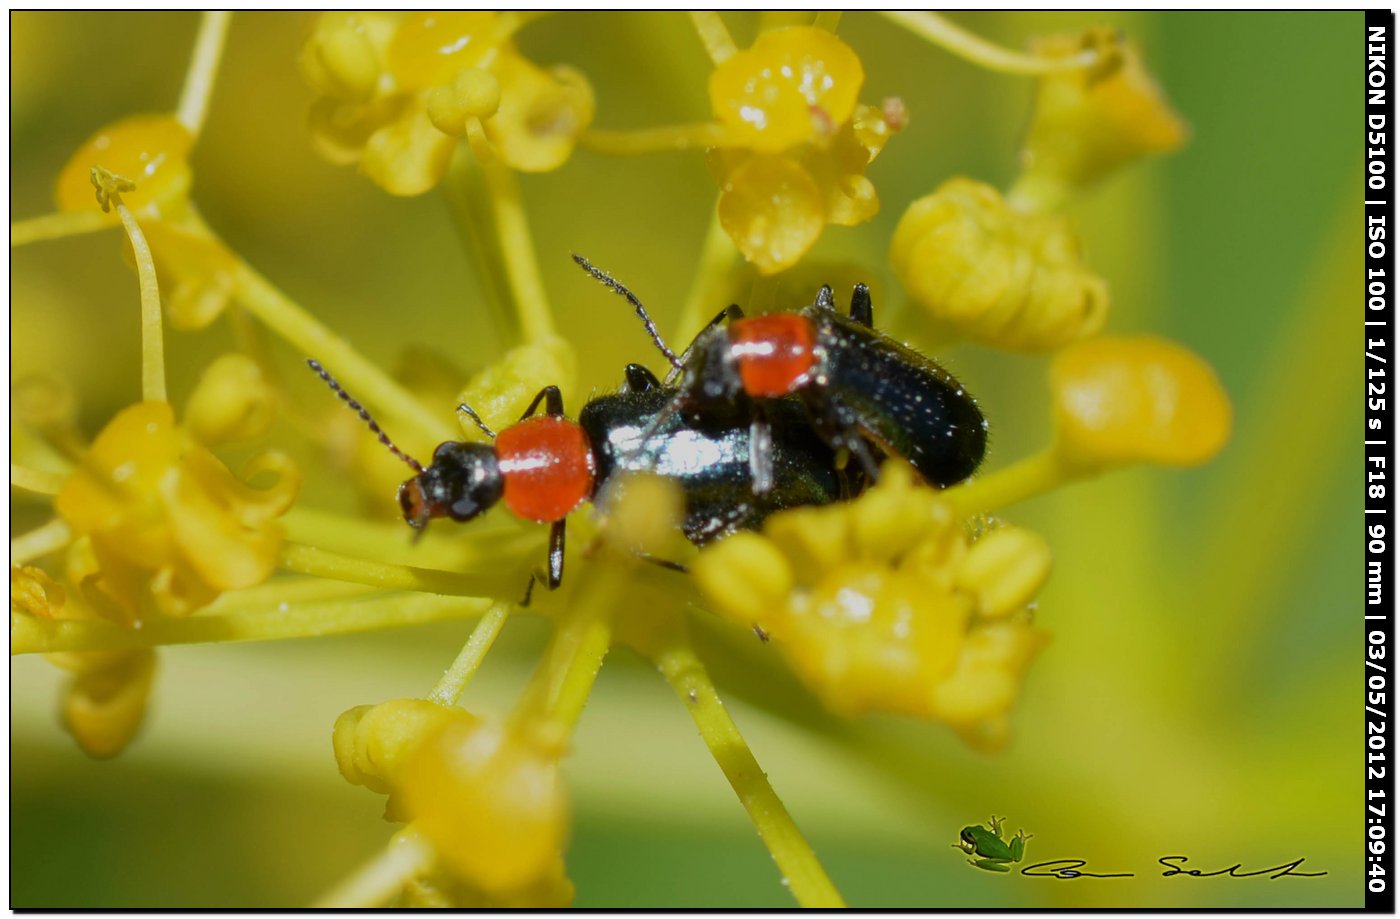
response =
{"points": [[861, 387], [545, 465]]}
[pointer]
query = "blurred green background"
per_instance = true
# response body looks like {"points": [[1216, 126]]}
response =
{"points": [[1201, 693]]}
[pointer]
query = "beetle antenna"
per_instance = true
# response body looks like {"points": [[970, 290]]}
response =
{"points": [[617, 288], [363, 413], [468, 411]]}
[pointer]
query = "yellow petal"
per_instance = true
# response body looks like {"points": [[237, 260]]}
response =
{"points": [[429, 47], [773, 211], [104, 707], [1005, 569], [232, 401], [541, 114], [746, 578], [150, 150], [793, 85], [408, 156], [119, 477]]}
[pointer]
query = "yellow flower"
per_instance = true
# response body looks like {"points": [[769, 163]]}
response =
{"points": [[400, 90], [1086, 123], [796, 143], [1136, 399], [150, 150], [884, 604], [34, 593], [105, 701], [487, 798], [994, 273], [171, 527], [196, 271], [491, 801], [793, 86]]}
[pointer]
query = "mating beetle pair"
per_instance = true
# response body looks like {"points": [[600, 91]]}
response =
{"points": [[858, 385], [751, 420]]}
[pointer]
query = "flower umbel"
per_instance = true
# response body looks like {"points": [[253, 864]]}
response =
{"points": [[885, 604], [400, 90], [171, 527], [796, 143]]}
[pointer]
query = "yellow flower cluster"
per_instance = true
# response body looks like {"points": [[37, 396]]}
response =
{"points": [[1008, 271], [171, 527], [105, 701], [399, 90], [160, 528], [885, 604], [796, 143]]}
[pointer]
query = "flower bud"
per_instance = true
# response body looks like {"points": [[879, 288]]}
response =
{"points": [[492, 804], [995, 274], [373, 742], [1088, 122], [232, 401], [1136, 399], [502, 391], [105, 705]]}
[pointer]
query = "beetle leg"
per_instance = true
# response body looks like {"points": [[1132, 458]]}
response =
{"points": [[553, 403], [761, 452], [861, 310], [640, 379], [529, 590], [663, 563], [837, 426], [556, 554]]}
